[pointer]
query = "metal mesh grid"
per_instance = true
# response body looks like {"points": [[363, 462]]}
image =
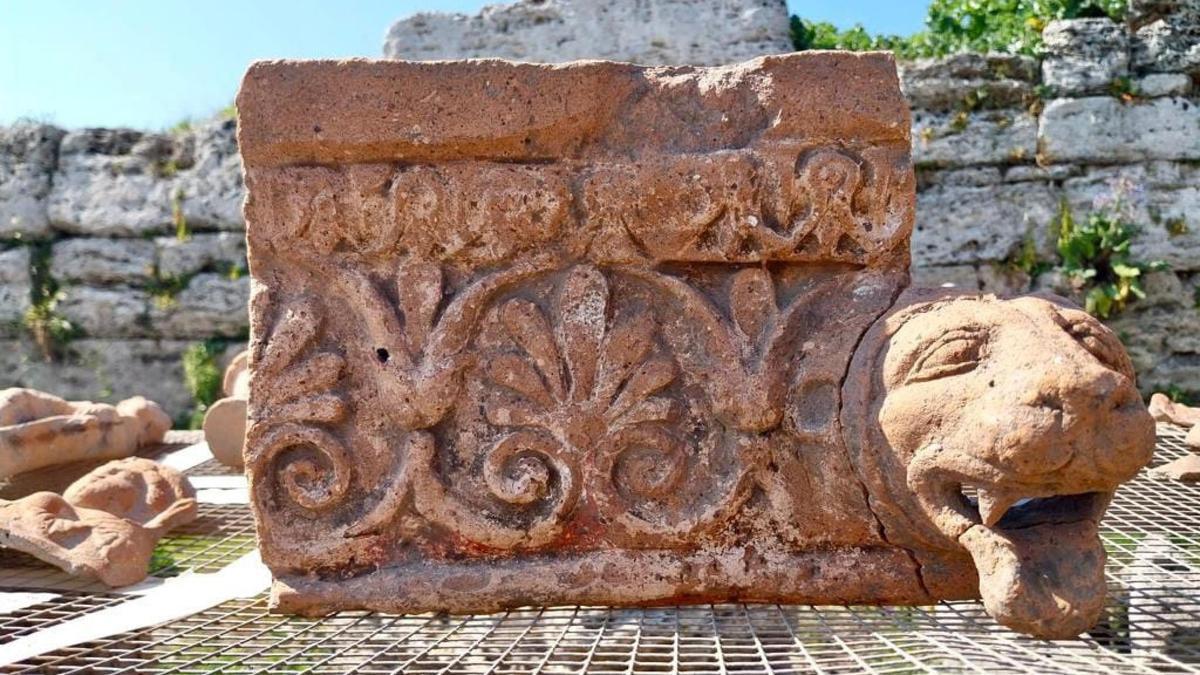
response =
{"points": [[1152, 623], [213, 467]]}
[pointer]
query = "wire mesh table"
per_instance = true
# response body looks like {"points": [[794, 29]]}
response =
{"points": [[1151, 624]]}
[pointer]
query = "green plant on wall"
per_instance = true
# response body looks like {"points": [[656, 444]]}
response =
{"points": [[1095, 257], [49, 329], [1010, 26], [182, 231], [202, 376]]}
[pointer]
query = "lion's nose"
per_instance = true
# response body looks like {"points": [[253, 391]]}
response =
{"points": [[1108, 403]]}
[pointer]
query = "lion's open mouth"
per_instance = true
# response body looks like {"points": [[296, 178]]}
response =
{"points": [[1040, 559], [1008, 511]]}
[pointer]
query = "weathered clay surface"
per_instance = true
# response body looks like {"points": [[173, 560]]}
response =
{"points": [[39, 429], [225, 421], [598, 333], [105, 525]]}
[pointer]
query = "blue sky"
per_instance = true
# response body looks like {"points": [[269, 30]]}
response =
{"points": [[152, 63]]}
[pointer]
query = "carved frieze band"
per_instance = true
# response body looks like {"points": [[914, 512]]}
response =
{"points": [[823, 203]]}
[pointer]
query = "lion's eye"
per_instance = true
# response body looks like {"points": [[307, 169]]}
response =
{"points": [[1101, 345], [954, 353]]}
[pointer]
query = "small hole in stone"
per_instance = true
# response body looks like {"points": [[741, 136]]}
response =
{"points": [[382, 355]]}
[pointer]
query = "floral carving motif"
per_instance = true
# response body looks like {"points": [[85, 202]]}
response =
{"points": [[293, 398], [826, 213], [579, 382], [593, 382]]}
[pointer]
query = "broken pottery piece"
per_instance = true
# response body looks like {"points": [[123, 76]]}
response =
{"points": [[106, 524], [1163, 409], [225, 421], [596, 333], [1185, 469], [38, 429]]}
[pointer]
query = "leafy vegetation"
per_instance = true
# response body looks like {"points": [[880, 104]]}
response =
{"points": [[182, 231], [164, 289], [202, 376], [49, 329], [1096, 259], [1011, 26], [1027, 260]]}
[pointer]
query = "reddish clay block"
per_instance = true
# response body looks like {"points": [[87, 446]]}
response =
{"points": [[602, 334]]}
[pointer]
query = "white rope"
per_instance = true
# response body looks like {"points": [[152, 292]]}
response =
{"points": [[173, 599]]}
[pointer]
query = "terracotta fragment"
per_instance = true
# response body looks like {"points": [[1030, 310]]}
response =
{"points": [[1163, 409], [38, 429], [596, 333], [106, 524], [225, 420]]}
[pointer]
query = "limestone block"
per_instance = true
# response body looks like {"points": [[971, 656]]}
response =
{"points": [[27, 160], [221, 251], [1003, 279], [964, 277], [106, 312], [962, 224], [211, 190], [994, 137], [1163, 84], [102, 370], [123, 183], [1104, 130], [112, 182], [665, 32], [100, 261], [1161, 344], [977, 175], [212, 305], [575, 323], [1084, 56], [1170, 44], [14, 289], [949, 83]]}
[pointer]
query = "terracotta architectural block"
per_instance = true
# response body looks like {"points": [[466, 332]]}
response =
{"points": [[604, 334]]}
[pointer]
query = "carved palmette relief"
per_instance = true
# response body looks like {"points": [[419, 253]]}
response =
{"points": [[532, 396]]}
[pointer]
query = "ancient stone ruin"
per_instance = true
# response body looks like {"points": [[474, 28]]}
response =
{"points": [[604, 334]]}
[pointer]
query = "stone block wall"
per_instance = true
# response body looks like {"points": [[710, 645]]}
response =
{"points": [[142, 236], [1000, 143]]}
